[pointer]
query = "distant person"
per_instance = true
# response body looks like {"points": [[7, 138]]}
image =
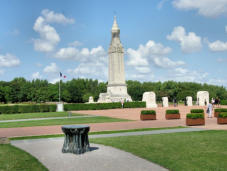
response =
{"points": [[209, 110], [205, 102], [212, 101], [122, 103], [174, 102], [185, 102]]}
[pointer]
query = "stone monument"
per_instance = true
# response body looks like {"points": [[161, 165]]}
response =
{"points": [[165, 102], [150, 99], [203, 98], [60, 107], [116, 88], [91, 100], [189, 100]]}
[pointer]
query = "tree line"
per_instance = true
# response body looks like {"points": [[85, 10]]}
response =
{"points": [[78, 90]]}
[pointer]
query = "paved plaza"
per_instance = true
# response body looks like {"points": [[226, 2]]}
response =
{"points": [[131, 114]]}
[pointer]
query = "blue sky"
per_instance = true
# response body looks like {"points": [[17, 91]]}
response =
{"points": [[181, 40]]}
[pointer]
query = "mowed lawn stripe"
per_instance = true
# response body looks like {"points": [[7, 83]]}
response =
{"points": [[35, 115], [205, 150], [97, 119]]}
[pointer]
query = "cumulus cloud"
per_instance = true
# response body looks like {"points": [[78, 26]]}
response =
{"points": [[208, 8], [75, 44], [82, 55], [49, 37], [143, 70], [36, 75], [52, 17], [9, 60], [141, 56], [183, 74], [92, 62], [151, 52], [166, 62], [52, 68], [217, 46], [189, 42]]}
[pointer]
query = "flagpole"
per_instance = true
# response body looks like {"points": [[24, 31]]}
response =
{"points": [[59, 89]]}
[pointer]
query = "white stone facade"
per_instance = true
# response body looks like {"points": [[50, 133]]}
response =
{"points": [[116, 88], [203, 98], [165, 102], [189, 100], [60, 107], [91, 99], [150, 99]]}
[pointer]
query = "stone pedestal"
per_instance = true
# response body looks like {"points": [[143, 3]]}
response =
{"points": [[60, 107], [91, 100], [165, 102], [189, 100], [202, 98], [150, 99], [76, 139]]}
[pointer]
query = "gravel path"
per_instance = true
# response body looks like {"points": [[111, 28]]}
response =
{"points": [[101, 158]]}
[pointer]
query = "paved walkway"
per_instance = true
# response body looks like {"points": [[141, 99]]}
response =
{"points": [[50, 118], [132, 114], [101, 158]]}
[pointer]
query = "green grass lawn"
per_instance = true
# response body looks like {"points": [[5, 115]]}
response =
{"points": [[98, 119], [35, 115], [12, 158], [205, 150]]}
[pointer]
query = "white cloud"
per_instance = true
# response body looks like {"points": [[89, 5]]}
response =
{"points": [[143, 70], [75, 44], [36, 75], [208, 8], [189, 42], [183, 74], [54, 80], [9, 60], [141, 56], [52, 17], [166, 62], [217, 46], [82, 55], [52, 68], [49, 37]]}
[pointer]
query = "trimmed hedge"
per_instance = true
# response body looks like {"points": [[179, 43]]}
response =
{"points": [[220, 110], [27, 109], [222, 115], [223, 102], [197, 111], [195, 115], [67, 107], [148, 112], [176, 111], [101, 106]]}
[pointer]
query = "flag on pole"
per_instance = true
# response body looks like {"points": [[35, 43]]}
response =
{"points": [[64, 76]]}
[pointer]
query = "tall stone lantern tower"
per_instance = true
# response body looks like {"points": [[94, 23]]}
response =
{"points": [[117, 88]]}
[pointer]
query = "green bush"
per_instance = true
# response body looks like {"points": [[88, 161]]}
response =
{"points": [[134, 104], [222, 115], [223, 102], [176, 111], [220, 110], [197, 111], [148, 112], [195, 115], [101, 106], [27, 109]]}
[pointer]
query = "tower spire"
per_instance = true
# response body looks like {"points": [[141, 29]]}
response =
{"points": [[115, 27]]}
